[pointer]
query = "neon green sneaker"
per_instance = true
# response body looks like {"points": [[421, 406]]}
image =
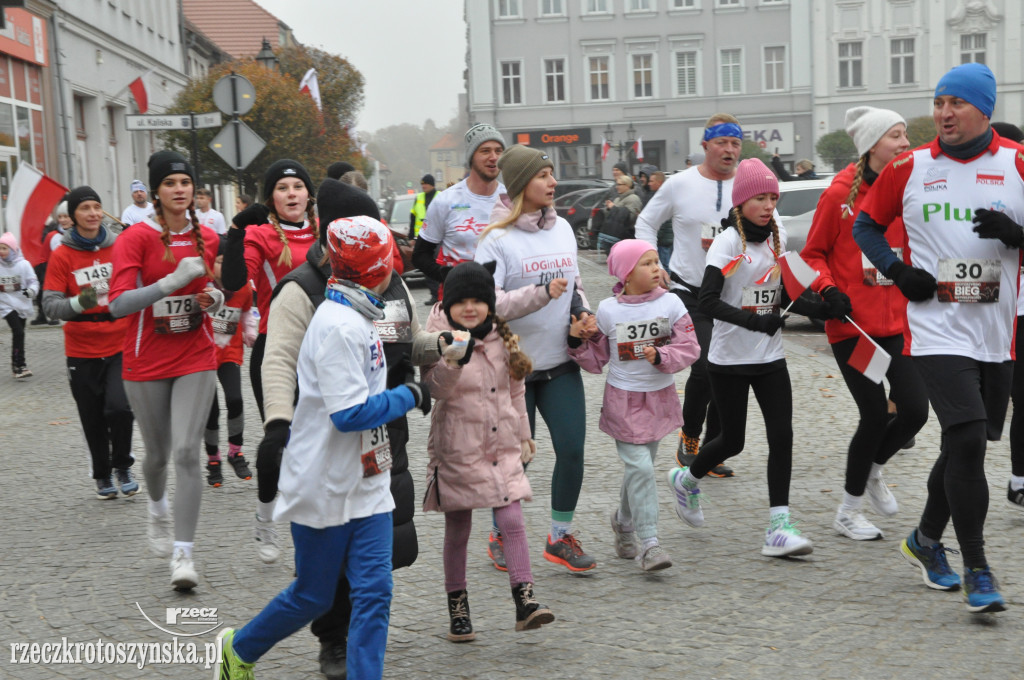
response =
{"points": [[230, 667]]}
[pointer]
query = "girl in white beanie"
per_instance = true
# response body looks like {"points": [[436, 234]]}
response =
{"points": [[853, 287]]}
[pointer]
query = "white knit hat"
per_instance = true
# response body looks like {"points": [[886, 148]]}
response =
{"points": [[867, 125]]}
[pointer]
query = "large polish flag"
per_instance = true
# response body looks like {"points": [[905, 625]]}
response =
{"points": [[870, 359], [31, 199]]}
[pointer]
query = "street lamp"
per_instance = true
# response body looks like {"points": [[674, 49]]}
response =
{"points": [[620, 147], [266, 56]]}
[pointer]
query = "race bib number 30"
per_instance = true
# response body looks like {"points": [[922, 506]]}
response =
{"points": [[376, 451], [631, 337], [760, 299], [10, 284], [177, 314], [98, 277], [968, 280]]}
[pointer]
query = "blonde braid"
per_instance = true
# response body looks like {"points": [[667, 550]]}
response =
{"points": [[285, 257], [198, 235], [738, 216], [519, 365], [311, 216], [858, 177], [165, 235], [775, 236]]}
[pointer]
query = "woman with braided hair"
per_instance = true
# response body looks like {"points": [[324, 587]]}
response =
{"points": [[854, 288], [268, 240], [741, 291], [162, 282]]}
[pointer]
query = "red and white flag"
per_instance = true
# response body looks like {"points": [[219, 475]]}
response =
{"points": [[138, 88], [870, 359], [30, 200], [605, 147], [638, 148], [797, 275], [310, 86]]}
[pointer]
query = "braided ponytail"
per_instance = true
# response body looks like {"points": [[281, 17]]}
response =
{"points": [[285, 257], [858, 177], [738, 216], [775, 237], [519, 365], [197, 233], [165, 235], [311, 216]]}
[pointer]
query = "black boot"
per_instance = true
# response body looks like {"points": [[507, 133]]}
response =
{"points": [[333, 655], [530, 614], [461, 628]]}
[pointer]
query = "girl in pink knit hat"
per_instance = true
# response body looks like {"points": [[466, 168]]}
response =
{"points": [[18, 286], [741, 292], [645, 336]]}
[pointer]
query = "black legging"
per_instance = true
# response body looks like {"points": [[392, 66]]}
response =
{"points": [[1017, 395], [17, 325], [774, 395], [230, 376], [103, 409], [877, 437], [255, 371], [697, 402]]}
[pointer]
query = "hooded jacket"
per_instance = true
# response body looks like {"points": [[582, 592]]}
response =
{"points": [[16, 278]]}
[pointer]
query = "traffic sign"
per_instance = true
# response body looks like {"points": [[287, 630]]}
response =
{"points": [[237, 144], [208, 120], [173, 122], [234, 95]]}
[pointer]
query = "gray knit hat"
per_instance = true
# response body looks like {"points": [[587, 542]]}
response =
{"points": [[477, 135], [519, 164], [867, 125]]}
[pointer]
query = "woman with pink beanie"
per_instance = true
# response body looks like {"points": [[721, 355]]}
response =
{"points": [[741, 292], [645, 336]]}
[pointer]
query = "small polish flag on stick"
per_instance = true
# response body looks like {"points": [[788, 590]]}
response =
{"points": [[870, 359], [605, 147], [797, 275], [30, 200]]}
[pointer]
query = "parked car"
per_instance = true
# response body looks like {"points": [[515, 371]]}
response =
{"points": [[577, 208], [398, 222], [566, 186], [797, 202]]}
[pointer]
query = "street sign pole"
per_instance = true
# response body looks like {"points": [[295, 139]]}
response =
{"points": [[235, 122], [195, 148]]}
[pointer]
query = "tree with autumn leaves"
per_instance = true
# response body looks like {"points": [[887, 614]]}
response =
{"points": [[286, 119]]}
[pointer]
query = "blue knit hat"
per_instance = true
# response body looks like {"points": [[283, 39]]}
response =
{"points": [[973, 82]]}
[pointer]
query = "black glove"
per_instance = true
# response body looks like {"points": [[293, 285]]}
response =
{"points": [[27, 293], [257, 213], [993, 224], [421, 393], [917, 285], [837, 303], [268, 458], [764, 323], [87, 298]]}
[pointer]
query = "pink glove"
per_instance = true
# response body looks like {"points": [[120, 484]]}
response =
{"points": [[250, 326]]}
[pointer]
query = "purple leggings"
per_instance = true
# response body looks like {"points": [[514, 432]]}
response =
{"points": [[457, 525]]}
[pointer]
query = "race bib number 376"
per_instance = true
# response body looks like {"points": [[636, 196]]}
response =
{"points": [[632, 337]]}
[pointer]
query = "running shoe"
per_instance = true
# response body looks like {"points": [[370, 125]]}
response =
{"points": [[22, 372], [880, 496], [125, 480], [686, 452], [1015, 498], [267, 542], [161, 534], [783, 539], [183, 571], [625, 541], [241, 467], [854, 525], [654, 559], [229, 666], [931, 561], [496, 550], [568, 552], [688, 501], [105, 489], [981, 591], [214, 477]]}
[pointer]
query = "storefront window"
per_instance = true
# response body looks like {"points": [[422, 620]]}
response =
{"points": [[6, 125], [24, 135], [577, 161]]}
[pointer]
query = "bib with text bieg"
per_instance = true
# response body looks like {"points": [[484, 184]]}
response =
{"points": [[395, 326], [873, 277], [375, 451], [225, 324], [632, 336], [968, 280], [708, 232], [176, 314], [761, 299], [10, 284], [97, 277]]}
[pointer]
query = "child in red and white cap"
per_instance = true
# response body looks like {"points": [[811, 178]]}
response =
{"points": [[741, 292], [334, 486]]}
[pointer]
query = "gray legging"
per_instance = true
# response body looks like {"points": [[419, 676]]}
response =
{"points": [[171, 415]]}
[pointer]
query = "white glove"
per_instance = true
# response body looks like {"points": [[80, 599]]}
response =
{"points": [[189, 269], [529, 448], [250, 327], [218, 300], [454, 352]]}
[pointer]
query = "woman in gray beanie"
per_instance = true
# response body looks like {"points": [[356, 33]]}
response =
{"points": [[852, 288], [534, 248]]}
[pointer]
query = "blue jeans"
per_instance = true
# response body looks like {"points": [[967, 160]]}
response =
{"points": [[363, 549], [664, 255], [638, 500], [605, 243]]}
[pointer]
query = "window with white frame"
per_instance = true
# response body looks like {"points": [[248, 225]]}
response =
{"points": [[972, 48], [508, 8], [728, 3], [686, 74], [774, 68], [597, 6], [552, 8], [731, 71], [643, 76], [683, 4], [902, 61], [511, 82], [638, 5], [599, 87], [851, 64], [554, 80]]}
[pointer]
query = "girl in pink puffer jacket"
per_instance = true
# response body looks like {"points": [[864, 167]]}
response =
{"points": [[479, 440]]}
